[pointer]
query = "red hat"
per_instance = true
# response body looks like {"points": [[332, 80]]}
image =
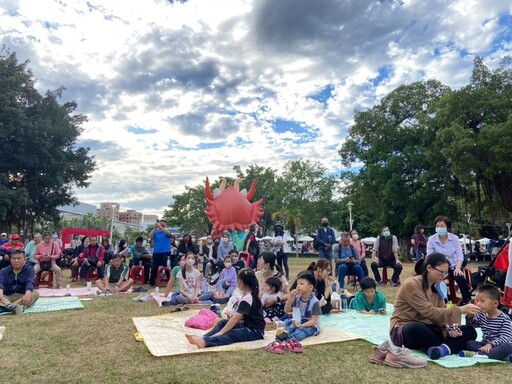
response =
{"points": [[15, 237]]}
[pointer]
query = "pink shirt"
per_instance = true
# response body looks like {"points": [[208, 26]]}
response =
{"points": [[359, 246], [43, 250]]}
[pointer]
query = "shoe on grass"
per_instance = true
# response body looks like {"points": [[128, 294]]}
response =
{"points": [[403, 358], [379, 352]]}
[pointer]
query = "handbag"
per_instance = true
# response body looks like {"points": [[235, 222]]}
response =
{"points": [[46, 265], [93, 261]]}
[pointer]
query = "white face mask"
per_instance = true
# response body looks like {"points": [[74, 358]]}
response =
{"points": [[355, 236], [227, 265], [191, 262]]}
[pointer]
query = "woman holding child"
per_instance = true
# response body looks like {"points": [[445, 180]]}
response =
{"points": [[267, 268], [321, 270], [421, 319]]}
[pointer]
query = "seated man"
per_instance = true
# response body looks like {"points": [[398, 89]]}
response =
{"points": [[17, 284], [385, 254], [48, 251], [93, 256], [141, 256], [117, 278], [348, 260], [7, 249]]}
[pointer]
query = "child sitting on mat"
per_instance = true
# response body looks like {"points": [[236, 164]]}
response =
{"points": [[305, 309], [272, 289], [246, 324], [496, 327], [190, 287], [227, 279], [368, 300]]}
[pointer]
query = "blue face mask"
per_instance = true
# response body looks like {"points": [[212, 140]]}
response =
{"points": [[441, 231], [386, 233]]}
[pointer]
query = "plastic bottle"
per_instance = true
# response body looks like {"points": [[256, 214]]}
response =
{"points": [[168, 262], [344, 302], [335, 286], [157, 291]]}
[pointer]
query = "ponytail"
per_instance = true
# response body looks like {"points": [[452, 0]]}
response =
{"points": [[248, 279]]}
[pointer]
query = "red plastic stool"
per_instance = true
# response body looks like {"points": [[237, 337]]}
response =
{"points": [[385, 279], [162, 276], [92, 274], [247, 258], [44, 278], [137, 274], [453, 287]]}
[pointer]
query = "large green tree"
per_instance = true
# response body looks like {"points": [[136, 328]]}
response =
{"points": [[41, 161]]}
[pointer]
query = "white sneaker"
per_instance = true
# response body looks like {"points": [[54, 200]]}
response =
{"points": [[19, 309]]}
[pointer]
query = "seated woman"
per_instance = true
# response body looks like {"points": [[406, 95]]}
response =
{"points": [[267, 267], [368, 300], [190, 287], [421, 319], [76, 261], [320, 270]]}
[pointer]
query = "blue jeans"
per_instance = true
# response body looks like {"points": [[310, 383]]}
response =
{"points": [[84, 268], [499, 352], [349, 269], [325, 254], [180, 299], [236, 334], [299, 334], [364, 267], [221, 287]]}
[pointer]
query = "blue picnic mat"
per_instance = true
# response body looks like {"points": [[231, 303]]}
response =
{"points": [[52, 304], [375, 329]]}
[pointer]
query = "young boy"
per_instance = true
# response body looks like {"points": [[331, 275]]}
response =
{"points": [[302, 299], [117, 278], [368, 300], [496, 327]]}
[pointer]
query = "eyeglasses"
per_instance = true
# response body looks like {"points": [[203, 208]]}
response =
{"points": [[444, 273]]}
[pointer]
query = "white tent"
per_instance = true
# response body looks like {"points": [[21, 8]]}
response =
{"points": [[483, 241], [369, 240], [266, 238], [305, 238]]}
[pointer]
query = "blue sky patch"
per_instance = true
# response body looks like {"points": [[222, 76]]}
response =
{"points": [[140, 131], [324, 94]]}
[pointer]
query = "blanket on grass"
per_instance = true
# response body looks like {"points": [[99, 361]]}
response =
{"points": [[164, 335], [375, 329], [62, 292], [54, 304]]}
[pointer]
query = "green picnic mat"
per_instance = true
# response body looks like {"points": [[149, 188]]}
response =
{"points": [[52, 304], [375, 329]]}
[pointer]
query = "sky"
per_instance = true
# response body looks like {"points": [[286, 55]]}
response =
{"points": [[177, 90]]}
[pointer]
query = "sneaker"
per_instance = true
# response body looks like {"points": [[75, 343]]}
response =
{"points": [[19, 309], [403, 358], [380, 282], [394, 284], [11, 308], [379, 352]]}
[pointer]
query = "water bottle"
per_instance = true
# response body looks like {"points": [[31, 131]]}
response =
{"points": [[344, 303], [335, 286], [168, 262], [157, 291]]}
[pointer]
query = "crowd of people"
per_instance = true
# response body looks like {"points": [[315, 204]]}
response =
{"points": [[257, 287]]}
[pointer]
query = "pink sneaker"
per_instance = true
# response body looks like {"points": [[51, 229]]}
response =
{"points": [[379, 352], [403, 358]]}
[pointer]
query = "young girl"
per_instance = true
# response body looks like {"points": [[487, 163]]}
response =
{"points": [[227, 279], [368, 300], [246, 324], [272, 293], [190, 286]]}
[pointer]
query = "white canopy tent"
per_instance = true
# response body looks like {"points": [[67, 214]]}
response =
{"points": [[369, 240]]}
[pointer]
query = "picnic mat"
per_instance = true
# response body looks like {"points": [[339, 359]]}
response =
{"points": [[375, 329], [62, 292], [164, 335], [45, 304]]}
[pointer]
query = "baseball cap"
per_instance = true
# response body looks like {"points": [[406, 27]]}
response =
{"points": [[15, 237], [3, 234]]}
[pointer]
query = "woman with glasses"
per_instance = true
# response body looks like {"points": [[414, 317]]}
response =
{"points": [[421, 319], [448, 244]]}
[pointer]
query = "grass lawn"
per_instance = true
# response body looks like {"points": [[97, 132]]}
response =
{"points": [[96, 345]]}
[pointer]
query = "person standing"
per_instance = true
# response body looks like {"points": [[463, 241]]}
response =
{"points": [[419, 242], [161, 237], [281, 249], [385, 254], [251, 245], [325, 239], [30, 249]]}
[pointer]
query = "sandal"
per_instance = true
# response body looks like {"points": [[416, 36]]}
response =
{"points": [[294, 346], [275, 347]]}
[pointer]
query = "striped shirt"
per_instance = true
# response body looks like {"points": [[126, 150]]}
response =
{"points": [[496, 330]]}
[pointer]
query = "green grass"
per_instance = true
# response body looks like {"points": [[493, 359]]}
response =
{"points": [[96, 345]]}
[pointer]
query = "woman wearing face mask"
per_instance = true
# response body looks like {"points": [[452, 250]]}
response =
{"points": [[361, 248], [186, 245], [224, 247], [76, 261], [448, 244], [211, 261], [190, 287], [173, 285]]}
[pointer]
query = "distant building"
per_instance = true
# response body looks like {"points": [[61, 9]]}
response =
{"points": [[106, 209], [131, 216], [149, 221], [76, 211]]}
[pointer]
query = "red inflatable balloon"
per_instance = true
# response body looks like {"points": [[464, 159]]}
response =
{"points": [[231, 209]]}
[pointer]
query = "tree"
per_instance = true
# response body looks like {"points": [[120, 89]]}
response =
{"points": [[41, 162], [88, 221]]}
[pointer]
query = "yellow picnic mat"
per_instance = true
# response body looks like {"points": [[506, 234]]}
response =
{"points": [[164, 335]]}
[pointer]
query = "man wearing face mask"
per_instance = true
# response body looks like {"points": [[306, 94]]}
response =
{"points": [[225, 246], [210, 256], [385, 254], [325, 239]]}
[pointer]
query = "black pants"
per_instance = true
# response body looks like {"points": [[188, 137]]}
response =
{"points": [[463, 285], [282, 261], [159, 260], [422, 336], [397, 269]]}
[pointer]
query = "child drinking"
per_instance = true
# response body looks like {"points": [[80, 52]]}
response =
{"points": [[496, 327], [368, 300], [246, 324], [302, 300], [227, 279], [190, 287]]}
